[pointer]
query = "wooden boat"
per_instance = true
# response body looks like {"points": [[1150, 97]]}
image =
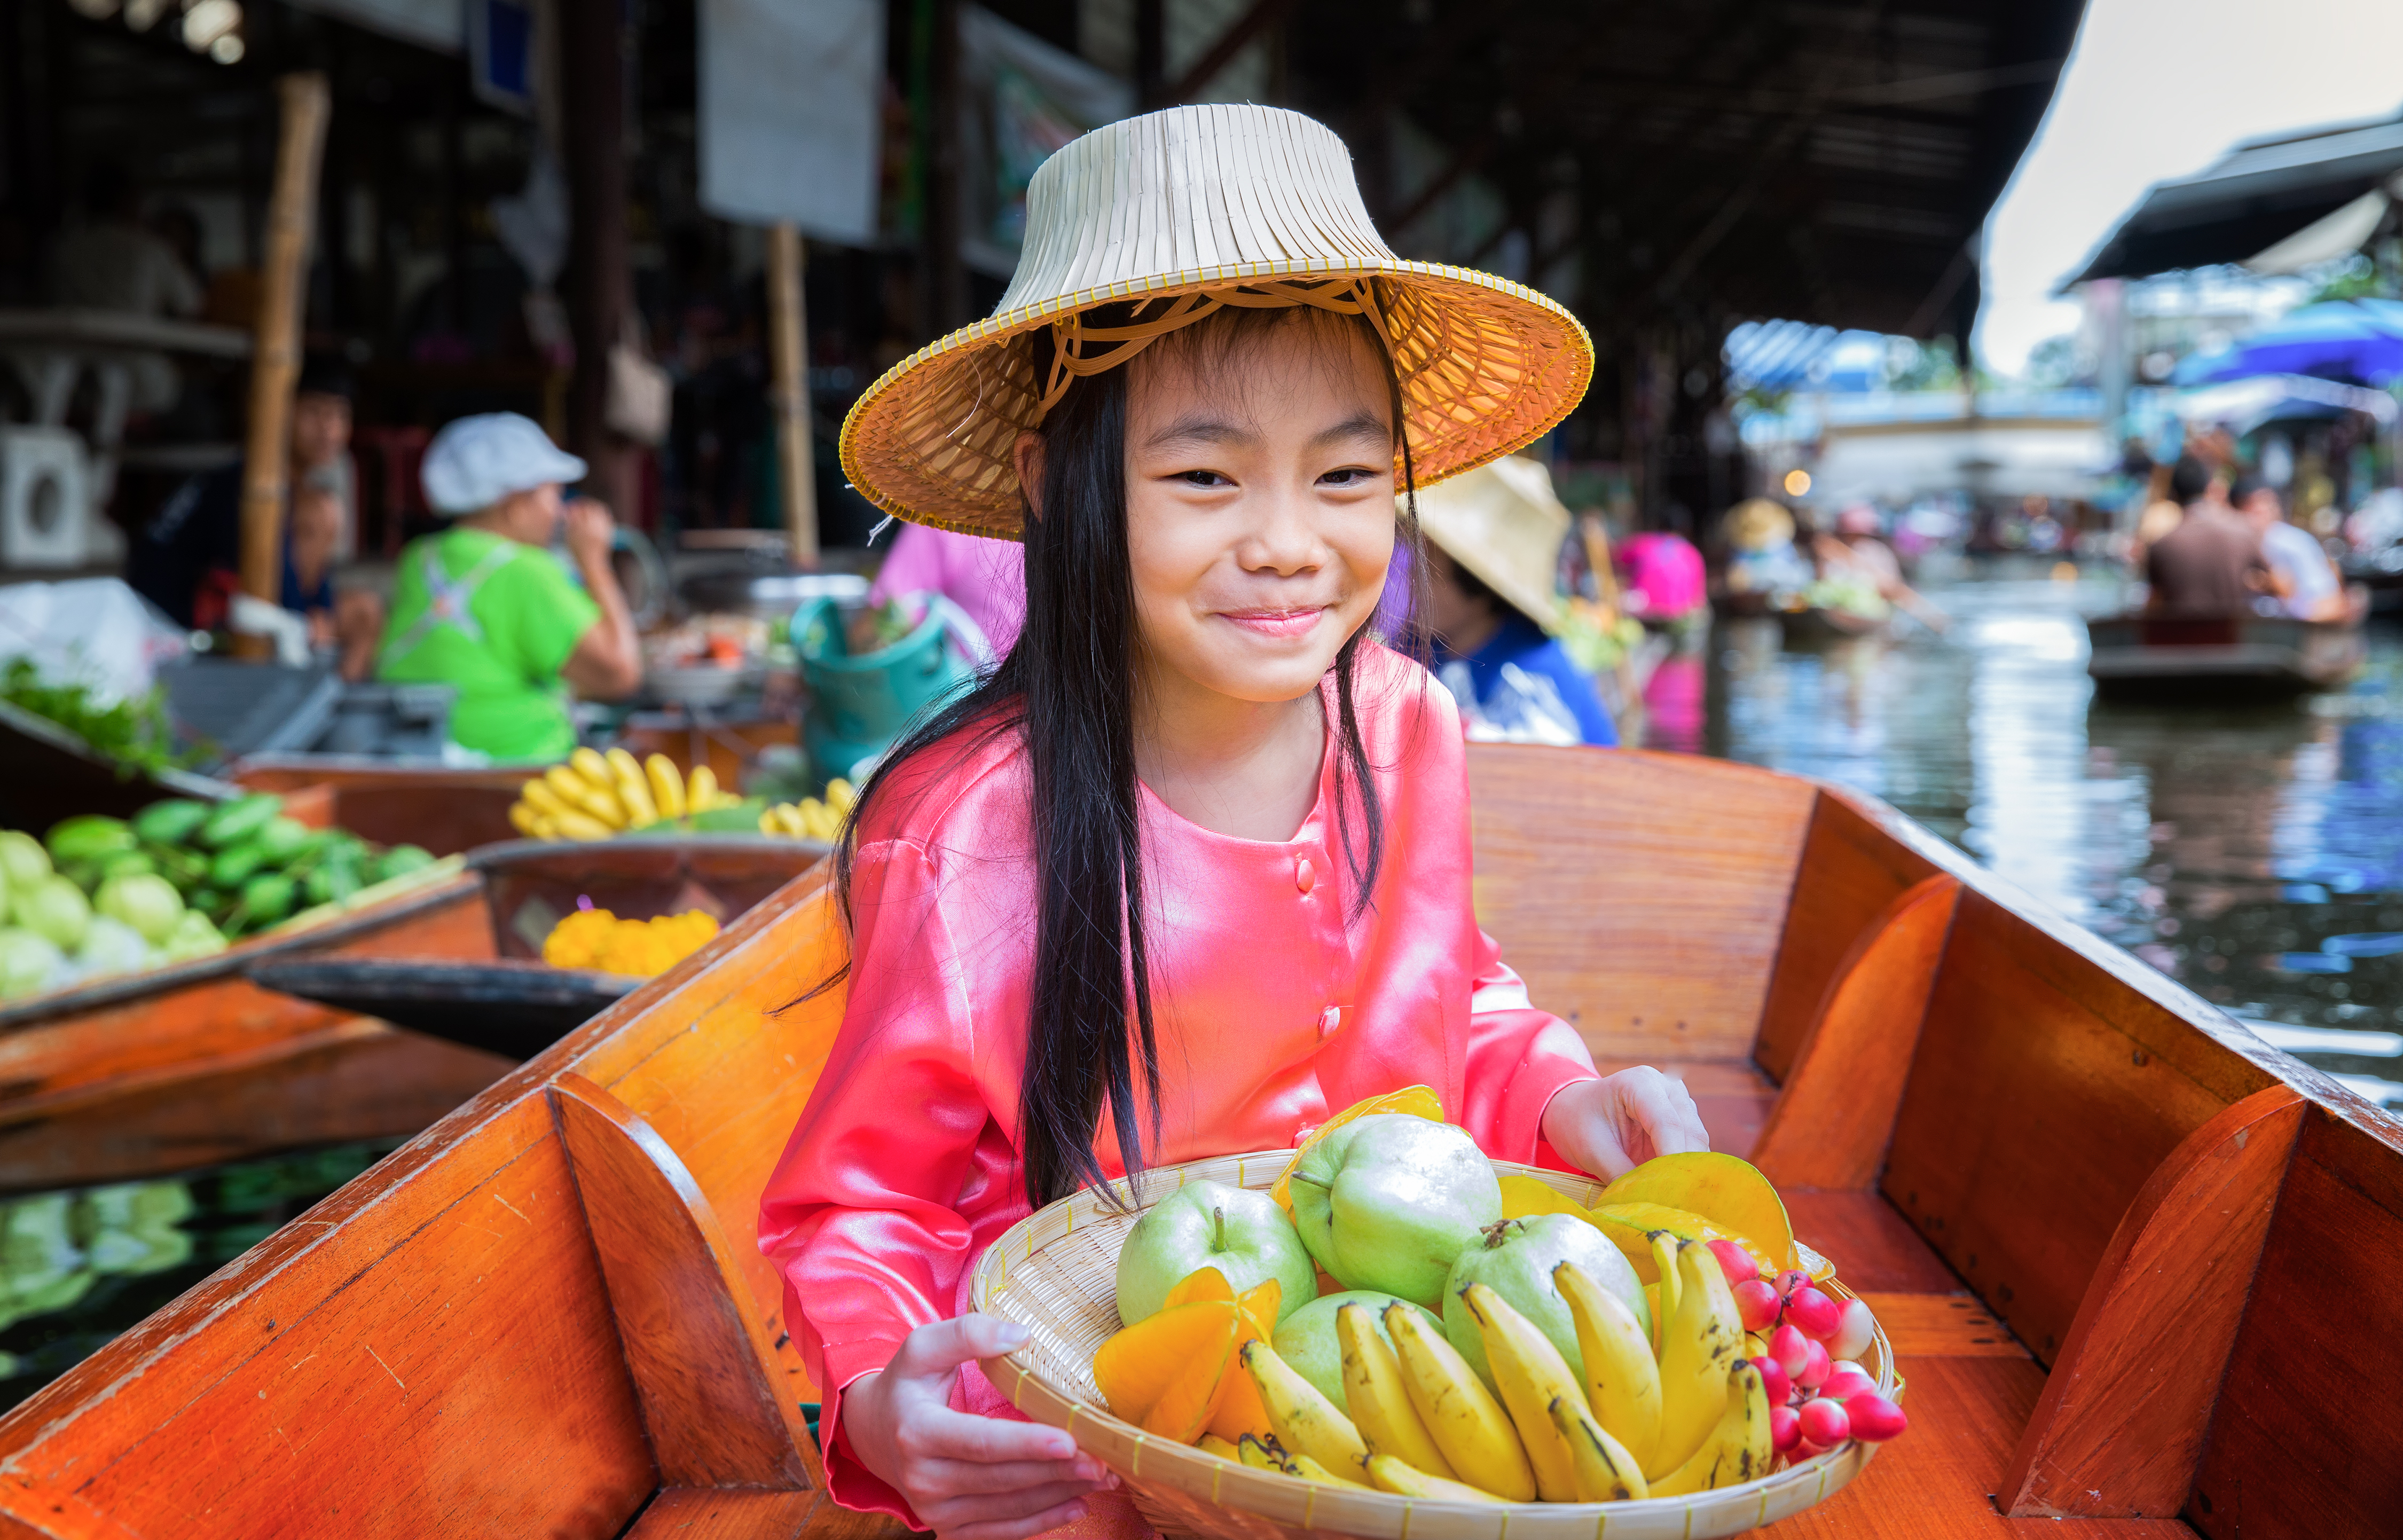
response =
{"points": [[2138, 1267], [2216, 658], [1817, 627], [197, 1063], [447, 810]]}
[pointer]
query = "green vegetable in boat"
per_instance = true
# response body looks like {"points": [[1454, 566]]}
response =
{"points": [[23, 862], [239, 820], [27, 961], [282, 840], [55, 909], [147, 902], [268, 898], [126, 863], [234, 867], [194, 936], [402, 859], [87, 837], [112, 945], [172, 822]]}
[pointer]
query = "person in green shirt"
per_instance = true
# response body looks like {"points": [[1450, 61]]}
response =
{"points": [[484, 604]]}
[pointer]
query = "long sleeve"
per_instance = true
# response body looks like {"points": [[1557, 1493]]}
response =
{"points": [[862, 1215], [1517, 1057]]}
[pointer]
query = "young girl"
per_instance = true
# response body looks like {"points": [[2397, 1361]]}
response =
{"points": [[1190, 870]]}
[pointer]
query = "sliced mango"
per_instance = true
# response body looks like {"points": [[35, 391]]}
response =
{"points": [[1183, 1410], [1137, 1367], [1201, 1283], [1632, 1226], [1524, 1197], [1418, 1101], [1724, 1190], [1239, 1408]]}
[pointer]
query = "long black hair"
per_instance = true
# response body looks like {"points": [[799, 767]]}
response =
{"points": [[1067, 689]]}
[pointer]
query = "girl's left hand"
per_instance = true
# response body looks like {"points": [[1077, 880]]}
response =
{"points": [[1609, 1127]]}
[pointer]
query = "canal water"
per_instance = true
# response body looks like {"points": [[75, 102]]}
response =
{"points": [[2255, 854]]}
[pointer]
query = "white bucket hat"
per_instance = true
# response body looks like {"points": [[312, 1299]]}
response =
{"points": [[1505, 524], [475, 461], [1188, 210]]}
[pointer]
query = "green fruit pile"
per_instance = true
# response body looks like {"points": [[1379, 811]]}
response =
{"points": [[101, 896]]}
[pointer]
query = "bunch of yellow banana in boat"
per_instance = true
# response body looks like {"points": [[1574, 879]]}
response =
{"points": [[595, 795], [1422, 1423], [812, 818]]}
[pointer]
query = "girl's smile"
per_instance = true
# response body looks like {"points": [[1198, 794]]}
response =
{"points": [[1278, 625]]}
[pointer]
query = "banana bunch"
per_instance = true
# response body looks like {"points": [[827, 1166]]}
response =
{"points": [[1420, 1422], [595, 795], [809, 818]]}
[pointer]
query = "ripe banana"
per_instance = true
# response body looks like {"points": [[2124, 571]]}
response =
{"points": [[526, 821], [1260, 1455], [1703, 1342], [574, 823], [1606, 1472], [1210, 1443], [1531, 1374], [701, 793], [1460, 1413], [597, 802], [1737, 1445], [1380, 1401], [1310, 1470], [1306, 1421], [1664, 1305], [1622, 1379], [626, 779], [1387, 1474], [538, 794], [667, 786]]}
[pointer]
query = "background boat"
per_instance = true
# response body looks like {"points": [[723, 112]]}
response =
{"points": [[2173, 657]]}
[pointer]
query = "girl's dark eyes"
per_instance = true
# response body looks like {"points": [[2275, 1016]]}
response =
{"points": [[1351, 476], [1203, 478]]}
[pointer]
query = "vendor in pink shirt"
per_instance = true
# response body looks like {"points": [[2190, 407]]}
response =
{"points": [[1189, 871], [985, 578]]}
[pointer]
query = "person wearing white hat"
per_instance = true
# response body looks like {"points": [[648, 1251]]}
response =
{"points": [[485, 606], [1494, 536], [1189, 872]]}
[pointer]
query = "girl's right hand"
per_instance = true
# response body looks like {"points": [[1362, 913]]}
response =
{"points": [[967, 1478]]}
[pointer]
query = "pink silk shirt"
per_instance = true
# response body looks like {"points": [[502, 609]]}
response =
{"points": [[1275, 1005]]}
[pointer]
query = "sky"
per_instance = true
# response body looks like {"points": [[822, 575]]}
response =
{"points": [[2158, 89]]}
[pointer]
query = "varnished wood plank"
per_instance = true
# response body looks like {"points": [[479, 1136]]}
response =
{"points": [[1942, 1326], [706, 1513], [1937, 1481], [2031, 1120], [1645, 924], [2306, 1441], [831, 1521], [1845, 1084], [716, 1416], [2122, 1420], [1873, 1246], [1850, 869], [434, 1357]]}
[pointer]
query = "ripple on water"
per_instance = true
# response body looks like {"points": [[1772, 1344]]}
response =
{"points": [[2254, 853]]}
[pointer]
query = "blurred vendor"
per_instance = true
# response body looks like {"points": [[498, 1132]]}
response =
{"points": [[985, 578], [1493, 545], [188, 559], [486, 606]]}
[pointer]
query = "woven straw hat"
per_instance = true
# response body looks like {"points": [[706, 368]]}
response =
{"points": [[1503, 523], [1192, 209]]}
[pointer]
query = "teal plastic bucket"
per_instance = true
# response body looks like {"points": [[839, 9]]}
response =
{"points": [[860, 705]]}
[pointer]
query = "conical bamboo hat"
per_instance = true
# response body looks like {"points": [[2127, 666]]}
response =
{"points": [[1195, 207]]}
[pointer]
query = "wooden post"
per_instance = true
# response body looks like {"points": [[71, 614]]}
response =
{"points": [[275, 357], [788, 334], [599, 281]]}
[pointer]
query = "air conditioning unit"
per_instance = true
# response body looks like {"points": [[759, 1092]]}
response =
{"points": [[46, 512]]}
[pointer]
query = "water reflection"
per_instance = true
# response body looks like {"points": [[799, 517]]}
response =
{"points": [[77, 1267], [2255, 854]]}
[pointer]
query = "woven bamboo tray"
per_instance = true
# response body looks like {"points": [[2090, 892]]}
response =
{"points": [[1056, 1271]]}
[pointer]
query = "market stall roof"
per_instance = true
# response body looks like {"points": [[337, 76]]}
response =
{"points": [[2251, 199], [1826, 163]]}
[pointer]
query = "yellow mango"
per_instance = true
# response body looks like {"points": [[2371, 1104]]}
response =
{"points": [[1631, 1226], [1138, 1367], [1524, 1197], [1723, 1189]]}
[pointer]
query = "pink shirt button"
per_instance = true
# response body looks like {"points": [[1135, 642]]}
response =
{"points": [[1328, 1020], [1305, 876]]}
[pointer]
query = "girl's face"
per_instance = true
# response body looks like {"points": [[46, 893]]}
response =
{"points": [[1259, 507]]}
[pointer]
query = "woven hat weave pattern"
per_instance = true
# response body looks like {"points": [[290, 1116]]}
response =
{"points": [[1504, 522], [1244, 202]]}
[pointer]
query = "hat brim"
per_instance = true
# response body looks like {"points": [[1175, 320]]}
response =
{"points": [[1486, 366]]}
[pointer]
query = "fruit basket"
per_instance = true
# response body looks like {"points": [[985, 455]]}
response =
{"points": [[1055, 1272]]}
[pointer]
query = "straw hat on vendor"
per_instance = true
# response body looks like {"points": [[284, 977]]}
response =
{"points": [[1094, 901], [1494, 537], [1180, 214]]}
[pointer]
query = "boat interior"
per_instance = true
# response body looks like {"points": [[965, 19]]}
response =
{"points": [[2136, 1266]]}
